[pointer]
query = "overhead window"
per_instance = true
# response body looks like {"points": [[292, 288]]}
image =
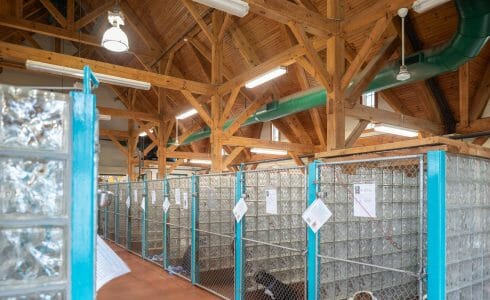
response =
{"points": [[369, 99], [275, 135]]}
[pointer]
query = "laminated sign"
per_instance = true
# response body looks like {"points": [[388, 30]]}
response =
{"points": [[166, 205], [153, 197], [185, 200], [177, 196], [128, 202], [143, 203], [316, 215], [240, 209], [365, 200], [271, 201], [135, 196]]}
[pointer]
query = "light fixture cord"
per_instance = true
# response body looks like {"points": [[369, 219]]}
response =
{"points": [[403, 41]]}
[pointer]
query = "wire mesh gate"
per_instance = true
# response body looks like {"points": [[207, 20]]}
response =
{"points": [[377, 250], [275, 242]]}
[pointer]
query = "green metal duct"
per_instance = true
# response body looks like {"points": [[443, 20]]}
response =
{"points": [[472, 34]]}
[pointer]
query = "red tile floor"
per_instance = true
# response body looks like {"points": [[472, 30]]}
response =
{"points": [[148, 281]]}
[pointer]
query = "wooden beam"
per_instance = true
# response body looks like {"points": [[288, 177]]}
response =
{"points": [[394, 101], [149, 148], [8, 50], [229, 105], [298, 129], [54, 12], [226, 25], [296, 159], [387, 117], [19, 9], [184, 136], [252, 108], [231, 157], [307, 4], [362, 55], [197, 17], [126, 114], [464, 94], [481, 97], [94, 14], [70, 13], [480, 125], [200, 109], [175, 165], [356, 133], [244, 47], [250, 142], [312, 55], [188, 155], [118, 145], [480, 140], [319, 126], [30, 39], [285, 130], [114, 133], [285, 12]]}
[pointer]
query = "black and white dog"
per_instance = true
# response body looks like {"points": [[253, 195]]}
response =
{"points": [[274, 288]]}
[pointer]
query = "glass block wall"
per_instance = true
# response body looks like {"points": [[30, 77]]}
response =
{"points": [[34, 194], [467, 227]]}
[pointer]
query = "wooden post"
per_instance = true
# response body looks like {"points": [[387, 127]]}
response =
{"points": [[131, 146], [162, 125], [216, 78], [335, 68], [464, 97]]}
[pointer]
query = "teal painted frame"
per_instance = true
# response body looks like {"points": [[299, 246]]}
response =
{"points": [[144, 221], [194, 232], [239, 245], [116, 215], [128, 219], [106, 218], [312, 263], [83, 190], [436, 225], [166, 195]]}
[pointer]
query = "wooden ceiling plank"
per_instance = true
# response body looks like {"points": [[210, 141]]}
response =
{"points": [[307, 4], [464, 94], [164, 81], [55, 13], [200, 109], [356, 133], [199, 20], [285, 12], [244, 47], [481, 97], [312, 55], [19, 9], [94, 14], [362, 55]]}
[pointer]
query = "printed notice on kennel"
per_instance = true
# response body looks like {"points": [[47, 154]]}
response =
{"points": [[365, 200]]}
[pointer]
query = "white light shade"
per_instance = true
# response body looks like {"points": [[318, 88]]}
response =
{"points": [[186, 114], [266, 77], [143, 133], [268, 151], [421, 6], [115, 40], [200, 161], [233, 7], [78, 73], [403, 74], [395, 130]]}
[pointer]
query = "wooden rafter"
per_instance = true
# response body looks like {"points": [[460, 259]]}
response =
{"points": [[126, 114], [94, 14], [250, 142], [464, 94], [298, 129], [229, 105], [252, 108], [23, 53], [121, 148], [356, 133], [199, 20], [200, 109], [479, 125], [481, 97], [115, 133], [298, 161], [394, 101], [55, 13], [231, 157], [285, 130]]}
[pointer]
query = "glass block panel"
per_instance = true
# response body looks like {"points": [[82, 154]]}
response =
{"points": [[52, 295], [31, 187], [33, 119], [35, 254]]}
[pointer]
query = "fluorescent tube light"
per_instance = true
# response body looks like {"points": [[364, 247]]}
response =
{"points": [[279, 71], [186, 114], [143, 133], [233, 7], [395, 130], [268, 151], [78, 73], [421, 6], [104, 117], [200, 161]]}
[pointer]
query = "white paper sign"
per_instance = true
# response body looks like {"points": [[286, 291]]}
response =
{"points": [[128, 202], [135, 196], [185, 200], [108, 264], [143, 203], [316, 215], [271, 201], [365, 200], [153, 197], [240, 209], [166, 205], [177, 196]]}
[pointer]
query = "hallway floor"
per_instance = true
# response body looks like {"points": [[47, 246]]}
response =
{"points": [[147, 281]]}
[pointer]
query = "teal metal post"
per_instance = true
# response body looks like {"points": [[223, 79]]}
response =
{"points": [[239, 246], [144, 221], [83, 191], [436, 225], [128, 218], [194, 232], [106, 218], [313, 266], [166, 195], [116, 215]]}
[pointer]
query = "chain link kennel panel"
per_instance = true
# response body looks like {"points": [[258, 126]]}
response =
{"points": [[155, 220]]}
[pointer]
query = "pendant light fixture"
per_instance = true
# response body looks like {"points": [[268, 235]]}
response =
{"points": [[233, 7], [403, 74], [114, 39]]}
